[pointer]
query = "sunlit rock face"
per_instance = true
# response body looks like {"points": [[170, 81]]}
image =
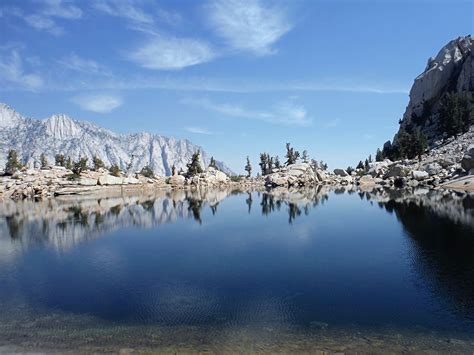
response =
{"points": [[451, 70], [60, 134]]}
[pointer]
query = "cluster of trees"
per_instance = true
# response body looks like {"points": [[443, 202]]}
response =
{"points": [[77, 167], [409, 144], [268, 163], [456, 114]]}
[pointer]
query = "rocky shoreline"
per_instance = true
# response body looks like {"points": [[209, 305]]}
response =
{"points": [[449, 165]]}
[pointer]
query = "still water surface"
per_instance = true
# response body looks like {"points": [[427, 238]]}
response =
{"points": [[221, 260]]}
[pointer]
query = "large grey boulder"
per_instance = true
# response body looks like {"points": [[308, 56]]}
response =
{"points": [[467, 162], [433, 168], [340, 172], [301, 174], [106, 180], [397, 170], [419, 175]]}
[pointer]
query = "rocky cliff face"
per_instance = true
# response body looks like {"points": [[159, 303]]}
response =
{"points": [[450, 71], [59, 134]]}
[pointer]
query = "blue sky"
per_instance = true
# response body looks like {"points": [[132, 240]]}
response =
{"points": [[237, 77]]}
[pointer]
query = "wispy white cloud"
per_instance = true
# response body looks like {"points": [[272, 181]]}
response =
{"points": [[198, 130], [126, 9], [159, 51], [168, 53], [79, 64], [289, 112], [62, 9], [97, 103], [248, 25], [43, 23], [13, 73], [44, 18]]}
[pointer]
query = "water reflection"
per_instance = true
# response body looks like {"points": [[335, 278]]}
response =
{"points": [[260, 267], [63, 222]]}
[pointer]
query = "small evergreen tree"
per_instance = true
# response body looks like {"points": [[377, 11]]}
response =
{"points": [[43, 161], [366, 165], [13, 164], [379, 155], [147, 171], [212, 164], [349, 170], [98, 163], [360, 165], [248, 167], [277, 162], [173, 170], [270, 163], [305, 156], [114, 170], [59, 160], [419, 145], [69, 165], [291, 155], [263, 163], [194, 167], [80, 166]]}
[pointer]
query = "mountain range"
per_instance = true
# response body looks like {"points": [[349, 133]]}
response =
{"points": [[60, 134]]}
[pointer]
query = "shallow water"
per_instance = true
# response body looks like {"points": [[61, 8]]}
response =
{"points": [[213, 267]]}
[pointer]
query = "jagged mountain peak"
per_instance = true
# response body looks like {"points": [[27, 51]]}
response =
{"points": [[9, 117], [62, 126], [60, 134]]}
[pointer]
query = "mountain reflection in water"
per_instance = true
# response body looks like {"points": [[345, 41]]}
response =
{"points": [[247, 260]]}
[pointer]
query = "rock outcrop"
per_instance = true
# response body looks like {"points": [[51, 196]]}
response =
{"points": [[210, 177], [451, 70], [300, 174]]}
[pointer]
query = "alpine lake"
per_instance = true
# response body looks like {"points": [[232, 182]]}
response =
{"points": [[226, 271]]}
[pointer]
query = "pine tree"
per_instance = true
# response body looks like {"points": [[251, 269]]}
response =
{"points": [[349, 170], [212, 164], [291, 155], [366, 165], [263, 163], [270, 163], [360, 165], [379, 155], [43, 161], [69, 164], [13, 164], [248, 168], [147, 171], [277, 162], [173, 170], [80, 166], [419, 144], [115, 170], [305, 156], [194, 167], [98, 163], [59, 160]]}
